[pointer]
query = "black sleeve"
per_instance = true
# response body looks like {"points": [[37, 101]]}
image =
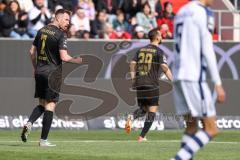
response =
{"points": [[63, 42], [162, 57], [135, 58], [36, 39]]}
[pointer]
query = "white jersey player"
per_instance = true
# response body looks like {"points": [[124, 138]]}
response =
{"points": [[194, 55]]}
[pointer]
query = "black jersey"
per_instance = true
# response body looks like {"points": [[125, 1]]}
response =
{"points": [[48, 41], [149, 59]]}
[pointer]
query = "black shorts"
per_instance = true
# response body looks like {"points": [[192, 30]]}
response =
{"points": [[45, 91], [147, 96]]}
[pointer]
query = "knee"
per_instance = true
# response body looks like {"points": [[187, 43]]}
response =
{"points": [[153, 109], [50, 106]]}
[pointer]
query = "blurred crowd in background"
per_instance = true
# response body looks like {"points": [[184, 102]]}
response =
{"points": [[99, 19]]}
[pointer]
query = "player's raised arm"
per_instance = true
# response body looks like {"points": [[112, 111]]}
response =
{"points": [[67, 58], [210, 57], [32, 53], [167, 71], [64, 53]]}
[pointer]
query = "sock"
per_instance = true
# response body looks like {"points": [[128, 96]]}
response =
{"points": [[36, 113], [138, 113], [47, 122], [186, 137], [148, 123], [198, 141]]}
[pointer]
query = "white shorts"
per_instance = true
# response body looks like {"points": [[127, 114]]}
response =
{"points": [[193, 98]]}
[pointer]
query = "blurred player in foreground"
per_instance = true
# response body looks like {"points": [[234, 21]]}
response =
{"points": [[194, 54], [48, 51], [145, 69]]}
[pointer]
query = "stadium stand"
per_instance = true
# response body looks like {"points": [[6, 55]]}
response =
{"points": [[93, 18]]}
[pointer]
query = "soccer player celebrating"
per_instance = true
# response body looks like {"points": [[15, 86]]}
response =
{"points": [[145, 69], [194, 54], [48, 51]]}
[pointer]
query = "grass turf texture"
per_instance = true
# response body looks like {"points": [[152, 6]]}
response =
{"points": [[112, 145]]}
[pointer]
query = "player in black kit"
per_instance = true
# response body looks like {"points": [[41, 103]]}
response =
{"points": [[145, 69], [48, 51]]}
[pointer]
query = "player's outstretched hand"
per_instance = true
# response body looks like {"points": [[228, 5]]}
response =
{"points": [[221, 96], [78, 60]]}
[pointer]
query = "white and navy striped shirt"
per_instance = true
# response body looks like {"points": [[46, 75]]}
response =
{"points": [[194, 51]]}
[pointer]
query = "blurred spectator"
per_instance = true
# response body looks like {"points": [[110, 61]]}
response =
{"points": [[155, 5], [39, 16], [167, 16], [80, 22], [166, 33], [90, 12], [146, 19], [121, 34], [120, 21], [130, 7], [26, 5], [132, 25], [110, 6], [99, 24], [66, 4], [109, 32], [139, 33], [14, 21], [80, 34], [2, 7], [88, 7], [86, 35]]}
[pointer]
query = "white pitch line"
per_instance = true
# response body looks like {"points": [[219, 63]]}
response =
{"points": [[117, 141]]}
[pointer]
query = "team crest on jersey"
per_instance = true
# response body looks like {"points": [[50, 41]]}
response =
{"points": [[164, 59], [65, 43]]}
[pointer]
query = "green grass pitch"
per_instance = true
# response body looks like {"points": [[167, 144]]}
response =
{"points": [[112, 145]]}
